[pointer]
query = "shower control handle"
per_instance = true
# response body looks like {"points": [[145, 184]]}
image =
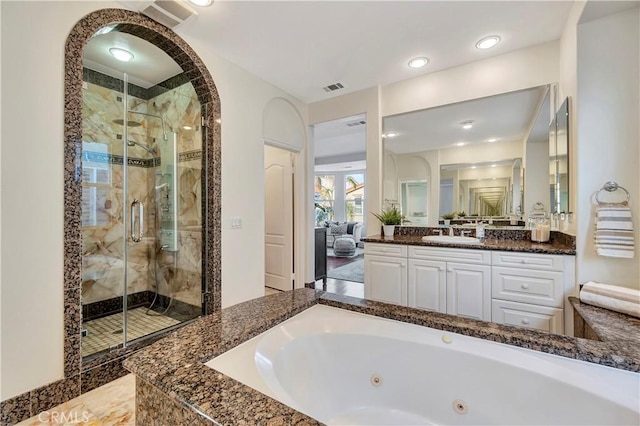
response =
{"points": [[137, 238]]}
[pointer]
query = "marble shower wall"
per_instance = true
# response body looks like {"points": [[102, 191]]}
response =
{"points": [[103, 260], [179, 274]]}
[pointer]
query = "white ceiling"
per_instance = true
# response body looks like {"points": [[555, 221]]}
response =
{"points": [[301, 46], [506, 117], [149, 66], [336, 138]]}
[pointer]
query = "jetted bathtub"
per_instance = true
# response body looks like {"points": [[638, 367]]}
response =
{"points": [[342, 367]]}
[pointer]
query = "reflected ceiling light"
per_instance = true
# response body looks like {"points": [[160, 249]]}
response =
{"points": [[494, 178], [492, 140], [420, 62], [104, 30], [348, 167], [473, 167], [187, 127], [217, 120], [460, 144], [202, 3], [121, 54], [467, 124], [493, 165], [488, 42], [390, 134]]}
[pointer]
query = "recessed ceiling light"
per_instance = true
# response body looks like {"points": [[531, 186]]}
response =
{"points": [[390, 134], [473, 167], [217, 120], [121, 54], [187, 127], [416, 63], [492, 140], [202, 3], [460, 144], [494, 178], [493, 165], [488, 42], [467, 125]]}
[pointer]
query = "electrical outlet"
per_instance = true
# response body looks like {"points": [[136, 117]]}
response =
{"points": [[236, 222]]}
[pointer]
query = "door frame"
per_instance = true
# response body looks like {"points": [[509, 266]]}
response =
{"points": [[299, 214]]}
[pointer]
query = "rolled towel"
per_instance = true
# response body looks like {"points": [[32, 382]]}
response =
{"points": [[615, 298], [614, 231]]}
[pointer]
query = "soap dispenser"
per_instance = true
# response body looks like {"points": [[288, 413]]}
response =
{"points": [[480, 231]]}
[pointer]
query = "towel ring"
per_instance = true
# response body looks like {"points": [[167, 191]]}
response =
{"points": [[611, 186]]}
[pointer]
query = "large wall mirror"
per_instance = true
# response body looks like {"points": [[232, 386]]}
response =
{"points": [[483, 157]]}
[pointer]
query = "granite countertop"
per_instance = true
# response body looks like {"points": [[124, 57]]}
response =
{"points": [[608, 325], [525, 246], [175, 364]]}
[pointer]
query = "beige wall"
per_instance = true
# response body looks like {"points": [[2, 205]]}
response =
{"points": [[608, 138], [32, 114]]}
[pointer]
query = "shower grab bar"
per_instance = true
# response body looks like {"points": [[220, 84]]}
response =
{"points": [[137, 238]]}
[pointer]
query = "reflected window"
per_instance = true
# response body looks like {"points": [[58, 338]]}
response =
{"points": [[96, 183]]}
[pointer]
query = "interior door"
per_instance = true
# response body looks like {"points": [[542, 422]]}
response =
{"points": [[278, 238]]}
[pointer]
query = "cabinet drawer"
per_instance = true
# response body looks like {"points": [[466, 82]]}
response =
{"points": [[527, 286], [546, 262], [393, 250], [477, 257], [528, 316]]}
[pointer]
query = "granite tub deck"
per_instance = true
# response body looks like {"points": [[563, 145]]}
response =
{"points": [[604, 325], [519, 245], [175, 387]]}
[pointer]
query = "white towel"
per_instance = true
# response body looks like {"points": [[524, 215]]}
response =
{"points": [[614, 231], [615, 298]]}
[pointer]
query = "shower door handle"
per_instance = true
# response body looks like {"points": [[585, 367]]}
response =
{"points": [[137, 238]]}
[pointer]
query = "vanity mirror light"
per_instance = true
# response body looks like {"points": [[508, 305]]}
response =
{"points": [[473, 156]]}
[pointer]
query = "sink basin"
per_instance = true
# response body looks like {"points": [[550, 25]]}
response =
{"points": [[450, 239]]}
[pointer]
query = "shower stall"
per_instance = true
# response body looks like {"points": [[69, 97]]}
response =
{"points": [[141, 210]]}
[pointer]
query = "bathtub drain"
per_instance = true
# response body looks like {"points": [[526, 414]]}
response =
{"points": [[459, 406], [376, 380]]}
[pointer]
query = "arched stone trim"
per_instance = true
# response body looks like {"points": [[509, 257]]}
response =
{"points": [[159, 35]]}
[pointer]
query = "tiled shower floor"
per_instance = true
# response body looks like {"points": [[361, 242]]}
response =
{"points": [[106, 332]]}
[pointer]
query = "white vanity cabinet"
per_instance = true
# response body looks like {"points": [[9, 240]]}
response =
{"points": [[528, 290], [514, 288], [385, 273], [452, 281]]}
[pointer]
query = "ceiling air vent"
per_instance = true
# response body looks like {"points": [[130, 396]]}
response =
{"points": [[333, 87], [355, 123], [170, 13]]}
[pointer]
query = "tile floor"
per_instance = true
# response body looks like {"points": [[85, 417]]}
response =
{"points": [[106, 332], [109, 405]]}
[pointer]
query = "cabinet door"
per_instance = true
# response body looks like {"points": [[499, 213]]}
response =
{"points": [[427, 285], [385, 279], [469, 291]]}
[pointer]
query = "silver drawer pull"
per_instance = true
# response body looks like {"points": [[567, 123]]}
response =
{"points": [[525, 321], [525, 286]]}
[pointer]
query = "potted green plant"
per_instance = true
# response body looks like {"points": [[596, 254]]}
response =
{"points": [[447, 218], [389, 219], [462, 214]]}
